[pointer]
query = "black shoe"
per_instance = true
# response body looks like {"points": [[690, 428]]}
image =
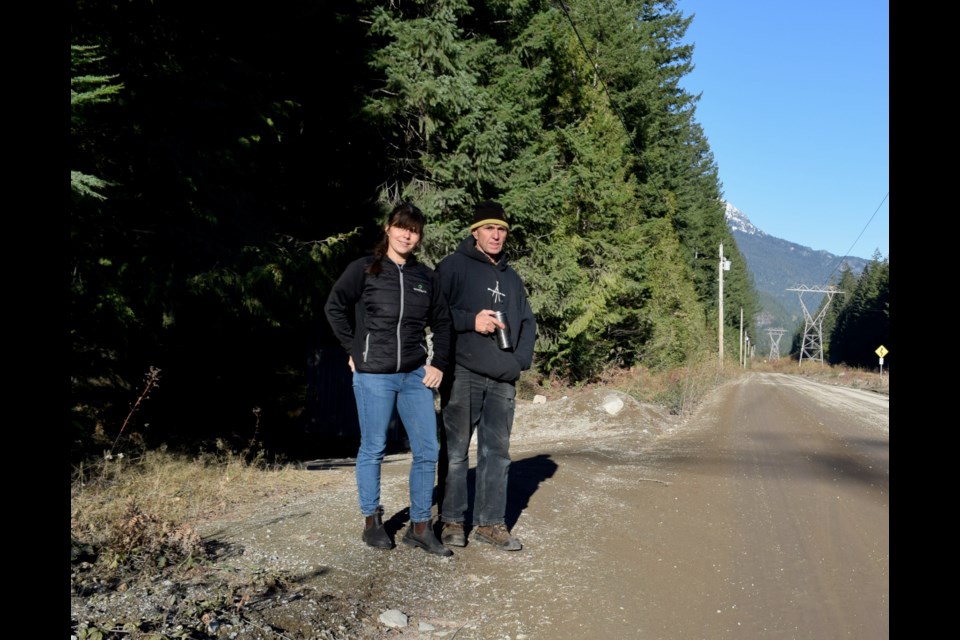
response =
{"points": [[373, 532], [426, 540]]}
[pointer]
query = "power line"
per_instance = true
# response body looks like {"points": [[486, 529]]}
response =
{"points": [[840, 261]]}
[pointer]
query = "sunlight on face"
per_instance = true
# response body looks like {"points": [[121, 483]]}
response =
{"points": [[401, 242], [490, 238]]}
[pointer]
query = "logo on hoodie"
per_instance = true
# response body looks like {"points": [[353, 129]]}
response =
{"points": [[497, 296], [420, 288]]}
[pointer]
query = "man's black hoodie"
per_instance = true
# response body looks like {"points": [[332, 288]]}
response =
{"points": [[472, 283]]}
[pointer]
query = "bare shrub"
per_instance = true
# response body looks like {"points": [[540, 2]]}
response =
{"points": [[138, 538], [151, 381]]}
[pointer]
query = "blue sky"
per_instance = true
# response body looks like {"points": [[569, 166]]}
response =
{"points": [[795, 107]]}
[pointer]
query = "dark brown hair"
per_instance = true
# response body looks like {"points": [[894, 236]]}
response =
{"points": [[404, 216]]}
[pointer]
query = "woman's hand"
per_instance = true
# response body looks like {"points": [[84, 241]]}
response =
{"points": [[350, 362], [432, 376]]}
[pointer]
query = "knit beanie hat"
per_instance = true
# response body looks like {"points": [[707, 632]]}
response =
{"points": [[489, 212]]}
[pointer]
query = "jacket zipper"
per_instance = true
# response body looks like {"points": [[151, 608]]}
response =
{"points": [[400, 318]]}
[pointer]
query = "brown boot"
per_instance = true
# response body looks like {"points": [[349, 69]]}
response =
{"points": [[373, 532], [420, 534], [452, 534], [498, 536]]}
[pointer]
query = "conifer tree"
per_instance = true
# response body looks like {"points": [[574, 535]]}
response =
{"points": [[863, 322], [87, 88]]}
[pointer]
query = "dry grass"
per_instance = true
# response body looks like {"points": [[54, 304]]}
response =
{"points": [[855, 377], [147, 502], [134, 526], [680, 390], [150, 505]]}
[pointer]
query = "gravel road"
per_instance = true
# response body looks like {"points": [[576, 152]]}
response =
{"points": [[765, 515]]}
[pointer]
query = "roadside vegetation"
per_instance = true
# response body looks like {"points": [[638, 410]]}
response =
{"points": [[134, 522], [869, 379]]}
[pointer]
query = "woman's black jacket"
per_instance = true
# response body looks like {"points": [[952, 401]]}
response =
{"points": [[381, 319]]}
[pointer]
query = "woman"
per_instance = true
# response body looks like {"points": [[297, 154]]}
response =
{"points": [[379, 310]]}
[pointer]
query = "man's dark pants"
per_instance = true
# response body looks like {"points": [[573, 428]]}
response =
{"points": [[481, 404]]}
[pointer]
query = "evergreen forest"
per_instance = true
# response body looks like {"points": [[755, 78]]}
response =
{"points": [[227, 160]]}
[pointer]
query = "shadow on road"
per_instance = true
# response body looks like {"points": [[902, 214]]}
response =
{"points": [[525, 478]]}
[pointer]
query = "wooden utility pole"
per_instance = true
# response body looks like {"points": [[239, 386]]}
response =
{"points": [[724, 266], [741, 338]]}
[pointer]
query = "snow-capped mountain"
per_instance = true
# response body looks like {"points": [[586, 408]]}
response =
{"points": [[737, 221], [778, 265]]}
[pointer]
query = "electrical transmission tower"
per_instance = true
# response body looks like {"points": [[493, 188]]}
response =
{"points": [[812, 346], [775, 335]]}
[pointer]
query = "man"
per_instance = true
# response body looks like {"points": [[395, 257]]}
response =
{"points": [[477, 283]]}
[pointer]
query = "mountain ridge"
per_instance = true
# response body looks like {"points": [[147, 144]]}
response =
{"points": [[777, 265]]}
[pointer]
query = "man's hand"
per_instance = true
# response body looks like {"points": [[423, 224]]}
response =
{"points": [[487, 321], [350, 362], [432, 376]]}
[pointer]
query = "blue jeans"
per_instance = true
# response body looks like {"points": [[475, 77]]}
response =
{"points": [[377, 395], [481, 404]]}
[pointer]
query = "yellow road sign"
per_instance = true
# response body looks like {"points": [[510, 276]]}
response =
{"points": [[881, 351]]}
